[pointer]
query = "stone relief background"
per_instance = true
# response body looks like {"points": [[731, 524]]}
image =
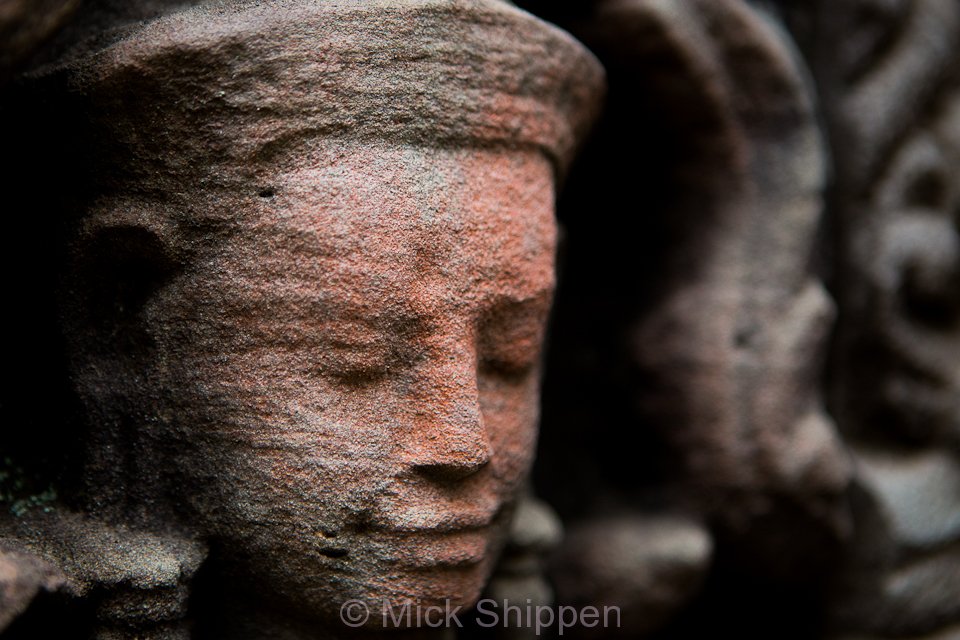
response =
{"points": [[749, 409]]}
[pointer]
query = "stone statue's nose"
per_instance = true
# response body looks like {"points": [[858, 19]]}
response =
{"points": [[450, 440], [452, 455]]}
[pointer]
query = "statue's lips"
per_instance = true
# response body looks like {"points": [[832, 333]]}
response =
{"points": [[414, 512], [439, 538], [442, 522], [440, 548]]}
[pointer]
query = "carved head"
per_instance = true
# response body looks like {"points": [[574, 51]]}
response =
{"points": [[326, 235]]}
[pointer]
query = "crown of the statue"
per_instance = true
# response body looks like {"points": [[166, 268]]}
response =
{"points": [[240, 80]]}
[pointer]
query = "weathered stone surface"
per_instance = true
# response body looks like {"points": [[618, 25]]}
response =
{"points": [[287, 73], [649, 567], [422, 389], [138, 581], [309, 267], [22, 577], [308, 284]]}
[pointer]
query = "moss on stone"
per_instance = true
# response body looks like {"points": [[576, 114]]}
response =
{"points": [[21, 493]]}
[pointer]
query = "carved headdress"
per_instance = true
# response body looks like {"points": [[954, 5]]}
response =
{"points": [[240, 83]]}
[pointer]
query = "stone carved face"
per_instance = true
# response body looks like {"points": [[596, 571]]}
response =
{"points": [[349, 378], [322, 359]]}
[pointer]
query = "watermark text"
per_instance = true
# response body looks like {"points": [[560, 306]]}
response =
{"points": [[487, 613]]}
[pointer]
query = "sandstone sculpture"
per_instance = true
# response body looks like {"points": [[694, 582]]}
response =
{"points": [[278, 342], [305, 304]]}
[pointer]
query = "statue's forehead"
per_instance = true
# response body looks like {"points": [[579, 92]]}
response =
{"points": [[386, 222], [447, 195]]}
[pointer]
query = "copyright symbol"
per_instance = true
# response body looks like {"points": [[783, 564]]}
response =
{"points": [[354, 613]]}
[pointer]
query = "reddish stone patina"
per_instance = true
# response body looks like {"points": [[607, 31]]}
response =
{"points": [[309, 281], [368, 386]]}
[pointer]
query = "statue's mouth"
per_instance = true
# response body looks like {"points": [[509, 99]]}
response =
{"points": [[431, 512], [430, 549], [440, 539], [442, 548], [444, 522]]}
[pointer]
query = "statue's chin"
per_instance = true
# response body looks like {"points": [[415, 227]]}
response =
{"points": [[375, 596], [441, 586], [406, 611]]}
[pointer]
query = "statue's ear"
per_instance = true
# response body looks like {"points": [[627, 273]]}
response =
{"points": [[116, 271]]}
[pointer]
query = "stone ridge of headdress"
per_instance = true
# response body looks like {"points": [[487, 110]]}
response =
{"points": [[244, 82]]}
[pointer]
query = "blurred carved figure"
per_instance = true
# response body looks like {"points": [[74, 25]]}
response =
{"points": [[713, 338], [894, 109]]}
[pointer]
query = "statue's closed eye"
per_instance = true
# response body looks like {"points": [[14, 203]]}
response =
{"points": [[511, 337], [356, 362], [363, 350]]}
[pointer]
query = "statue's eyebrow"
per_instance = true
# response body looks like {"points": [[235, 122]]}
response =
{"points": [[538, 298], [507, 310]]}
